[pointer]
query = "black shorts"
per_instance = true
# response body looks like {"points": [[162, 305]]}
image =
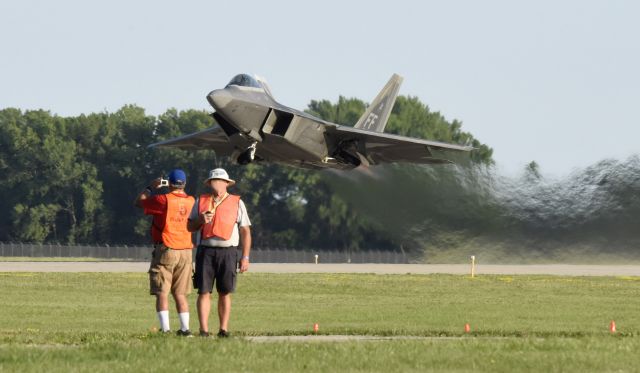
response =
{"points": [[216, 264]]}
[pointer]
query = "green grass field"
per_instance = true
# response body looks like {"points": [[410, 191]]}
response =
{"points": [[102, 322]]}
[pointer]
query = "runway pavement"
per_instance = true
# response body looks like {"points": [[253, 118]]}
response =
{"points": [[459, 269]]}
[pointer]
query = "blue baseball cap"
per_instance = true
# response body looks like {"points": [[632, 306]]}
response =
{"points": [[177, 177]]}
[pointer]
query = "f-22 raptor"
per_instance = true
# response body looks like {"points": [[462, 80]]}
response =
{"points": [[252, 127]]}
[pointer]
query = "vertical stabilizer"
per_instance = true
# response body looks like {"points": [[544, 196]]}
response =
{"points": [[376, 116]]}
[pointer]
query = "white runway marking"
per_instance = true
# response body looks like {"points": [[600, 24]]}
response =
{"points": [[457, 269]]}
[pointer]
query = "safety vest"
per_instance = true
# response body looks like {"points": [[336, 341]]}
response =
{"points": [[225, 215], [175, 234]]}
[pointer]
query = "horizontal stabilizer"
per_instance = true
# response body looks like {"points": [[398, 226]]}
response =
{"points": [[376, 148]]}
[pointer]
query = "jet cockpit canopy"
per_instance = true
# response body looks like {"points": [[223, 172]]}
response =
{"points": [[244, 80]]}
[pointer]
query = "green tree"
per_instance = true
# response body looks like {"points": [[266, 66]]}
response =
{"points": [[51, 188], [532, 172]]}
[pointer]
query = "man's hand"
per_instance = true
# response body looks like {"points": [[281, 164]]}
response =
{"points": [[203, 218], [206, 217], [155, 184], [244, 265]]}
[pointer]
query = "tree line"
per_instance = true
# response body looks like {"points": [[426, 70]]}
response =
{"points": [[73, 179]]}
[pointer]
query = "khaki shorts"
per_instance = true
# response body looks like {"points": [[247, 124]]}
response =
{"points": [[170, 271]]}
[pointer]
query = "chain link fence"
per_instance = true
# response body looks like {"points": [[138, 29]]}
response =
{"points": [[143, 253]]}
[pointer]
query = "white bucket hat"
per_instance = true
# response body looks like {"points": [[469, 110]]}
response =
{"points": [[219, 173]]}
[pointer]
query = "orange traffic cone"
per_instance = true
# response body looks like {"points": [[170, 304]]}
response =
{"points": [[467, 328], [612, 326], [315, 327]]}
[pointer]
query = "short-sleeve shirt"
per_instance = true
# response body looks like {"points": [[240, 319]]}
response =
{"points": [[242, 221], [156, 205]]}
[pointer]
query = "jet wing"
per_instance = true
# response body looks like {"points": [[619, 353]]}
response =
{"points": [[212, 138], [378, 147]]}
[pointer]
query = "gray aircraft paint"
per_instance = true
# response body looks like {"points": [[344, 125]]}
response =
{"points": [[252, 126], [377, 114]]}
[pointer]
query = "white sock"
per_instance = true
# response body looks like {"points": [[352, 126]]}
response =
{"points": [[184, 321], [163, 316]]}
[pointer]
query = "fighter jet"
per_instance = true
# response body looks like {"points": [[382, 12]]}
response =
{"points": [[254, 127]]}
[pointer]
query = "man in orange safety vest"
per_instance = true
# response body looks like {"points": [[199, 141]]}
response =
{"points": [[171, 262], [223, 225]]}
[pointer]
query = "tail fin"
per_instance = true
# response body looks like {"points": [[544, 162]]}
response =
{"points": [[376, 116]]}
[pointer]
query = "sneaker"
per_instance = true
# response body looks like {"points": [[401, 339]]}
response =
{"points": [[223, 334], [204, 334], [184, 333]]}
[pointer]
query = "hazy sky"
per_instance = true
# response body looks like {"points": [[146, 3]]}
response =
{"points": [[553, 81]]}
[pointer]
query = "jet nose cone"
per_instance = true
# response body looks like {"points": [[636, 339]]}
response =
{"points": [[219, 98]]}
